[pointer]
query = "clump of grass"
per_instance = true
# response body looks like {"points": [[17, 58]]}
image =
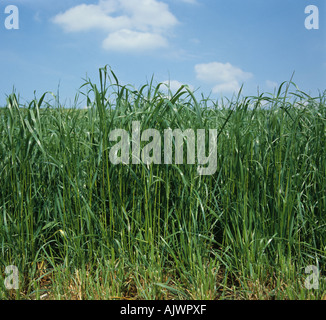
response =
{"points": [[79, 227]]}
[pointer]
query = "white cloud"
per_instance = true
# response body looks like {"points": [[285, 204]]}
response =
{"points": [[128, 40], [189, 1], [86, 17], [223, 76], [149, 21], [174, 85], [148, 15], [271, 84], [220, 72], [232, 86]]}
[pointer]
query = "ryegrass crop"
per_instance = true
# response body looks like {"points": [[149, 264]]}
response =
{"points": [[79, 227]]}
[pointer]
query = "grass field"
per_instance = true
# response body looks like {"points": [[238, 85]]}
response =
{"points": [[79, 227]]}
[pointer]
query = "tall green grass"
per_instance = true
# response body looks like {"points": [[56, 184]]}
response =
{"points": [[79, 227]]}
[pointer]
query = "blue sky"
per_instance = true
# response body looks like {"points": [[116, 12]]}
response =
{"points": [[213, 46]]}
